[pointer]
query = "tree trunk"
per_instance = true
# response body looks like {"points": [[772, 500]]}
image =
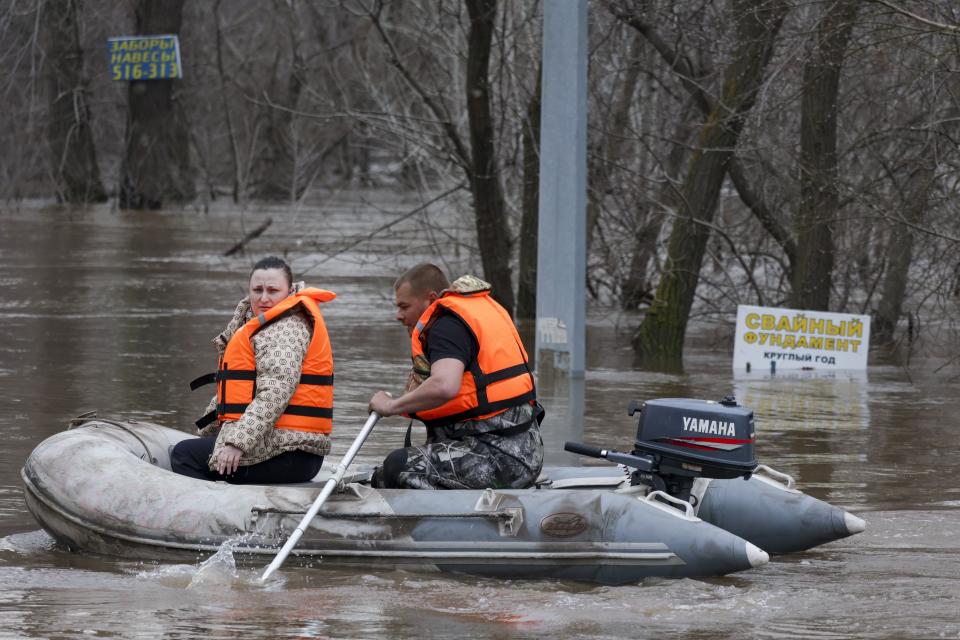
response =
{"points": [[819, 201], [274, 164], [529, 223], [236, 171], [649, 223], [156, 164], [692, 77], [275, 161], [659, 339], [493, 236], [75, 169], [900, 248]]}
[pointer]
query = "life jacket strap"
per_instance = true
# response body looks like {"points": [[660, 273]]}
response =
{"points": [[309, 412], [237, 374], [291, 410], [241, 374], [486, 379], [488, 407], [207, 418], [217, 376], [225, 408], [202, 381]]}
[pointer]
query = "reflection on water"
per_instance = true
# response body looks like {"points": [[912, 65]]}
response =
{"points": [[564, 396], [805, 400], [114, 311]]}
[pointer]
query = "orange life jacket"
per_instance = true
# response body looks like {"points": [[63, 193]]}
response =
{"points": [[311, 407], [499, 377]]}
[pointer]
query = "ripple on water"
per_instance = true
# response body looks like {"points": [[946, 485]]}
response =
{"points": [[29, 542]]}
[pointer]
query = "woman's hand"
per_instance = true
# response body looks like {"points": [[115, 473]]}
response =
{"points": [[228, 461]]}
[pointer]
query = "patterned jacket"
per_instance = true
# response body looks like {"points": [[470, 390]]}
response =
{"points": [[279, 350]]}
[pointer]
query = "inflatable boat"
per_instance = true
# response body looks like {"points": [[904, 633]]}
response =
{"points": [[105, 486]]}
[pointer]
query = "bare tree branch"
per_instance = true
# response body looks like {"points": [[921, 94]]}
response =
{"points": [[461, 152], [913, 16]]}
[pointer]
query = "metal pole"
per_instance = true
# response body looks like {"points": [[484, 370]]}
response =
{"points": [[561, 255]]}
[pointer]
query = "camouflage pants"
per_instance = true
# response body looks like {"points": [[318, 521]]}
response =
{"points": [[474, 461]]}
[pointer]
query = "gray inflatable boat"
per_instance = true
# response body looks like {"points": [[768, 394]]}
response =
{"points": [[105, 486]]}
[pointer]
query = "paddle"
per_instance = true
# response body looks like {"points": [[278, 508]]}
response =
{"points": [[327, 490]]}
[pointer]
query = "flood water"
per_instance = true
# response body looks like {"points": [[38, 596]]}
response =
{"points": [[113, 311]]}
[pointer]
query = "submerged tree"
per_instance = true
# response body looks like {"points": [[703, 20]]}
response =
{"points": [[659, 339], [74, 155], [436, 117], [275, 171], [915, 194], [493, 236], [156, 164], [529, 232], [812, 267]]}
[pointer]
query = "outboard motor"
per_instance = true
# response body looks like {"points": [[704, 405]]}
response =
{"points": [[679, 440]]}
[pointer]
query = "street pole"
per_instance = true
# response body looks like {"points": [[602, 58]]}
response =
{"points": [[561, 256]]}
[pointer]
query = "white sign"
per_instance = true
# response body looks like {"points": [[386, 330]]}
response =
{"points": [[770, 338], [552, 331]]}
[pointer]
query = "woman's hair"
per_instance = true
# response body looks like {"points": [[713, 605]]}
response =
{"points": [[273, 262]]}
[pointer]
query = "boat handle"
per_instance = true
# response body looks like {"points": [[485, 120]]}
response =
{"points": [[687, 507], [783, 478]]}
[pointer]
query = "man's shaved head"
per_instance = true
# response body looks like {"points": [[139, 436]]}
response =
{"points": [[423, 278]]}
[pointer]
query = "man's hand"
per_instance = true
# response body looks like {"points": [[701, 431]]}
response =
{"points": [[442, 385], [382, 403], [228, 460]]}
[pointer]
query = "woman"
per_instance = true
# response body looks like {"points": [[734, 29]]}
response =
{"points": [[271, 419]]}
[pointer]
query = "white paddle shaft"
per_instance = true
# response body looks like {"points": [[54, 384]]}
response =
{"points": [[327, 490]]}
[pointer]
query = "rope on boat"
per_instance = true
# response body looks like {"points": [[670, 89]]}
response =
{"points": [[91, 418]]}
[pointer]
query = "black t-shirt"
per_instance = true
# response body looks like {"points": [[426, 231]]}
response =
{"points": [[449, 337]]}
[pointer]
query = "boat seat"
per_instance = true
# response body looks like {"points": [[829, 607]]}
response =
{"points": [[590, 482], [361, 476]]}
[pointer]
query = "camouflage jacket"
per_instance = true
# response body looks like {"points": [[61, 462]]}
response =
{"points": [[279, 350]]}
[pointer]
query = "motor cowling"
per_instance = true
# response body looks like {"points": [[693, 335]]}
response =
{"points": [[688, 439], [680, 440], [697, 437]]}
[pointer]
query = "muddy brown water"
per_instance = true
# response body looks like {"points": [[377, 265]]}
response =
{"points": [[113, 311]]}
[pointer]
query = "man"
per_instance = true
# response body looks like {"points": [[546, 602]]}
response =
{"points": [[470, 385]]}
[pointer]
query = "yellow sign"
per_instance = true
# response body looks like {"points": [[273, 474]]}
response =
{"points": [[795, 339]]}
